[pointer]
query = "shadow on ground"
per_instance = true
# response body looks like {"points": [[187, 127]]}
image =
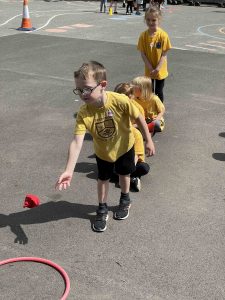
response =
{"points": [[47, 212], [219, 156]]}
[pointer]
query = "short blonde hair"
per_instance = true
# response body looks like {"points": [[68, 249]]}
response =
{"points": [[154, 10], [124, 88], [91, 68], [144, 83]]}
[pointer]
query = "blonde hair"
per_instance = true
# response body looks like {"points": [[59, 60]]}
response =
{"points": [[124, 88], [154, 10], [144, 83], [91, 68]]}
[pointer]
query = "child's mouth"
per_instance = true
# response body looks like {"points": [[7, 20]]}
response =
{"points": [[85, 98]]}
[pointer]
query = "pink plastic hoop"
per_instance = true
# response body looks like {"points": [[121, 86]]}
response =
{"points": [[47, 262]]}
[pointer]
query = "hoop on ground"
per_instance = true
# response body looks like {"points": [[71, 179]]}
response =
{"points": [[47, 262]]}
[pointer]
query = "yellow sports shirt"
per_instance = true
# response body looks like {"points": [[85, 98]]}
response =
{"points": [[140, 108], [153, 47], [139, 148], [110, 126], [152, 108]]}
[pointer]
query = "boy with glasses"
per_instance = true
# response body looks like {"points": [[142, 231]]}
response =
{"points": [[107, 116]]}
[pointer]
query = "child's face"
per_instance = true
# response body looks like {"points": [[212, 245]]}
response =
{"points": [[137, 92], [89, 90], [152, 22]]}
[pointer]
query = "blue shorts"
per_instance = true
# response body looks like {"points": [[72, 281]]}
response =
{"points": [[124, 165]]}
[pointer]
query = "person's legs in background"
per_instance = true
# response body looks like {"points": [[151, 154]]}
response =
{"points": [[157, 88], [142, 168]]}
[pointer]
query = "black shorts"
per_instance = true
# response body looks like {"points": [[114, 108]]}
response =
{"points": [[124, 165]]}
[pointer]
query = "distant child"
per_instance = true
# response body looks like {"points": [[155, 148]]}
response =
{"points": [[142, 168], [154, 44], [129, 9], [153, 107], [106, 115], [127, 89], [115, 5], [103, 5]]}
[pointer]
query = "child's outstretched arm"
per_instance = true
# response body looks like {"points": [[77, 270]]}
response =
{"points": [[74, 150], [149, 145]]}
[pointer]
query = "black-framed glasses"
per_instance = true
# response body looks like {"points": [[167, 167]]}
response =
{"points": [[85, 91]]}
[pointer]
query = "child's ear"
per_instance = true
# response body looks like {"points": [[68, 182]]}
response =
{"points": [[104, 83]]}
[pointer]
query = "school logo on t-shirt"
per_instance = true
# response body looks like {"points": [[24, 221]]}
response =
{"points": [[106, 128], [109, 113], [158, 45]]}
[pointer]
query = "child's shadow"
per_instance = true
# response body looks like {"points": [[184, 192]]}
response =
{"points": [[219, 156], [43, 213], [89, 168]]}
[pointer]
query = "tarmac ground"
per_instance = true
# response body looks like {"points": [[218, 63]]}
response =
{"points": [[172, 245]]}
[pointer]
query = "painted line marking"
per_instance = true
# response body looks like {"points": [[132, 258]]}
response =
{"points": [[10, 19], [38, 75], [178, 48], [82, 25], [218, 46], [65, 27], [33, 12], [199, 29], [200, 48], [50, 19], [217, 42]]}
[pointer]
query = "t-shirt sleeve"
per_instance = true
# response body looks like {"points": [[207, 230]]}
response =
{"points": [[80, 127], [127, 106], [140, 108], [166, 43], [140, 45], [134, 111]]}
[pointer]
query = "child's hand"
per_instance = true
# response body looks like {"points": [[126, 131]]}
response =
{"points": [[150, 69], [150, 148], [155, 72], [64, 181]]}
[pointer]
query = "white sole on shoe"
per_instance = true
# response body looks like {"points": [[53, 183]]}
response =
{"points": [[122, 218], [101, 230]]}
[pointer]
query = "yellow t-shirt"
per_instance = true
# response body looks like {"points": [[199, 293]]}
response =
{"points": [[153, 47], [110, 126], [140, 108], [152, 108], [139, 148]]}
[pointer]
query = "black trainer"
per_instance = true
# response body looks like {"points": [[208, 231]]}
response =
{"points": [[135, 184], [122, 211], [102, 216]]}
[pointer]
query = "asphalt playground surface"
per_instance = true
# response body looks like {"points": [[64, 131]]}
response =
{"points": [[172, 245]]}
